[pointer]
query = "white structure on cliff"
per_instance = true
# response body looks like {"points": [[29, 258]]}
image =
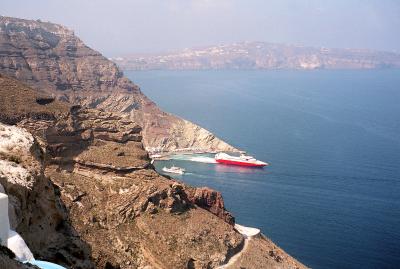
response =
{"points": [[9, 238], [4, 223]]}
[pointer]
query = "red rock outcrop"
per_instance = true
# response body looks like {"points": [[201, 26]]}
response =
{"points": [[210, 200]]}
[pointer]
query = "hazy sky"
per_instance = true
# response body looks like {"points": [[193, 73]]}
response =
{"points": [[118, 27]]}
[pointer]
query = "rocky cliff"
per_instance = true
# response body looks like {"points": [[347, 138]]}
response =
{"points": [[261, 55], [52, 60], [84, 194]]}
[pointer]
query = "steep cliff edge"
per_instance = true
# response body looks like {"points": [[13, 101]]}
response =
{"points": [[84, 194], [52, 60]]}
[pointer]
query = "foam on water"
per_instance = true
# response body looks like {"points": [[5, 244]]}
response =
{"points": [[203, 159], [194, 158]]}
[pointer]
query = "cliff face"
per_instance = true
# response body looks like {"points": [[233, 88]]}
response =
{"points": [[84, 195], [82, 190], [261, 55], [52, 60]]}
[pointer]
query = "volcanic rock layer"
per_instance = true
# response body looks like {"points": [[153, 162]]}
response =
{"points": [[52, 60]]}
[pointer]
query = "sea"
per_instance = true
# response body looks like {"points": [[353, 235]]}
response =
{"points": [[331, 194]]}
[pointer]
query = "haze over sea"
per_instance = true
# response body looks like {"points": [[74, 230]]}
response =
{"points": [[331, 196]]}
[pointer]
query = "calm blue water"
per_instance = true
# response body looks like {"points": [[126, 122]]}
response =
{"points": [[331, 196]]}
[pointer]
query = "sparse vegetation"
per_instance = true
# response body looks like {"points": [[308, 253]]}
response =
{"points": [[15, 159]]}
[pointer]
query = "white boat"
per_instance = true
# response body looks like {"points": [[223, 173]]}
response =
{"points": [[174, 170]]}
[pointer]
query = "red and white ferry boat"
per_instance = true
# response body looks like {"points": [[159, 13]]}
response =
{"points": [[242, 160]]}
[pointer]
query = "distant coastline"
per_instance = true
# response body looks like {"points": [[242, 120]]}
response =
{"points": [[260, 55]]}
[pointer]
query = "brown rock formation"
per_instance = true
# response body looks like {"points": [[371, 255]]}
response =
{"points": [[18, 102], [56, 63], [261, 252], [86, 200], [37, 212]]}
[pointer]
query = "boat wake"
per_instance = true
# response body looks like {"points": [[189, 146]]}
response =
{"points": [[191, 158], [202, 159]]}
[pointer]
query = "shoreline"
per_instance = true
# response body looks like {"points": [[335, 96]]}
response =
{"points": [[166, 155]]}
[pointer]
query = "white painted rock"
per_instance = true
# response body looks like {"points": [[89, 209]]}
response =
{"points": [[247, 231], [17, 244]]}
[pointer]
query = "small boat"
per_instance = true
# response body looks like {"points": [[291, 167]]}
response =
{"points": [[242, 160], [174, 170]]}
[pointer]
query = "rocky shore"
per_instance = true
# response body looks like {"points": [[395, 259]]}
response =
{"points": [[73, 162]]}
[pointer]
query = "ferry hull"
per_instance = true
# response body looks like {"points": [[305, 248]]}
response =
{"points": [[239, 163]]}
